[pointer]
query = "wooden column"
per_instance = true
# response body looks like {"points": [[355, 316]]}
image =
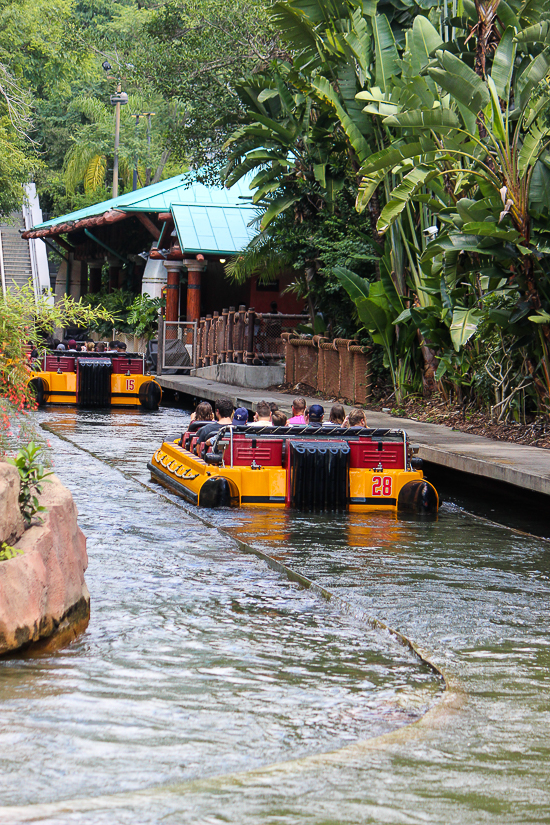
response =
{"points": [[173, 269], [83, 278], [194, 271], [94, 277], [114, 270]]}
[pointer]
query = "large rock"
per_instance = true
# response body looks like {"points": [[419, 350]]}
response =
{"points": [[42, 592], [12, 525]]}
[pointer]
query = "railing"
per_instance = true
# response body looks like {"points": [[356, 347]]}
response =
{"points": [[243, 336], [338, 369], [178, 345]]}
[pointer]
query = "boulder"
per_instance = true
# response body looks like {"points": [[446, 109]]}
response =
{"points": [[42, 591], [12, 525]]}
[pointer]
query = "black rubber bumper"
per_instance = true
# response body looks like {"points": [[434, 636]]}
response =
{"points": [[418, 497]]}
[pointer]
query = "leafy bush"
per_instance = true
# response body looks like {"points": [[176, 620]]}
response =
{"points": [[32, 474], [8, 552], [128, 313]]}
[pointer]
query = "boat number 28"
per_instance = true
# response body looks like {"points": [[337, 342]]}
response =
{"points": [[381, 485]]}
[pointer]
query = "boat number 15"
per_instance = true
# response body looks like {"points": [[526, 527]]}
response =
{"points": [[381, 485], [130, 384]]}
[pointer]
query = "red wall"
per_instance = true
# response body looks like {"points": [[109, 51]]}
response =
{"points": [[261, 298]]}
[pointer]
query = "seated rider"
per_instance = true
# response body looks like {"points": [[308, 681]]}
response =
{"points": [[298, 412], [337, 415], [203, 412], [315, 415], [223, 412], [356, 418], [262, 417]]}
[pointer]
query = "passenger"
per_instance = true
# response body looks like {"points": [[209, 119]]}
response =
{"points": [[89, 346], [298, 409], [55, 343], [100, 347], [315, 415], [203, 412], [120, 346], [224, 415], [240, 417], [61, 347], [278, 418], [262, 417], [112, 346], [273, 406], [337, 415], [357, 418], [71, 344]]}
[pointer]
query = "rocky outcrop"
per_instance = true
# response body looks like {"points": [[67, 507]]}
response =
{"points": [[12, 526], [44, 600]]}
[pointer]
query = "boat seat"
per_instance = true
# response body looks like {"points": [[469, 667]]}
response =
{"points": [[194, 427]]}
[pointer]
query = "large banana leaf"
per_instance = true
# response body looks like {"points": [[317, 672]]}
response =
{"points": [[276, 207], [402, 194], [355, 286], [385, 50], [539, 33], [388, 158], [534, 74], [499, 129], [503, 64], [426, 39], [460, 81], [358, 142], [464, 324], [440, 120], [533, 144]]}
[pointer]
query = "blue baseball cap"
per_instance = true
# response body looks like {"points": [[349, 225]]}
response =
{"points": [[316, 412], [240, 417]]}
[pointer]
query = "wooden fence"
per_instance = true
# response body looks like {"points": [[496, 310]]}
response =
{"points": [[243, 336], [338, 368]]}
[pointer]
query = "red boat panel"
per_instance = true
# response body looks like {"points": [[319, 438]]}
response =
{"points": [[366, 454], [59, 362], [268, 453], [123, 365]]}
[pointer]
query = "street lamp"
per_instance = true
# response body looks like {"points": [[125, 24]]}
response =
{"points": [[117, 100]]}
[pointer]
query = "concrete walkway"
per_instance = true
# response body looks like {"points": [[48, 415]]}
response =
{"points": [[525, 467]]}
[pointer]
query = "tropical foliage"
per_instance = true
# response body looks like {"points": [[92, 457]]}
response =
{"points": [[440, 127]]}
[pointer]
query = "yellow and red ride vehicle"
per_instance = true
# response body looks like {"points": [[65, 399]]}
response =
{"points": [[95, 380], [303, 467]]}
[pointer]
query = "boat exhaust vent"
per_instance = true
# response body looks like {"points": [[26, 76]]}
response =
{"points": [[319, 475], [94, 382]]}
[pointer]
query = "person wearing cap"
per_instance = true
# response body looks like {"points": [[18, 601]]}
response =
{"points": [[240, 417], [315, 415], [120, 346], [298, 412], [71, 343]]}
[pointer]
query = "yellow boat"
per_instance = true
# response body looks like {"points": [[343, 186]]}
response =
{"points": [[302, 467], [94, 380]]}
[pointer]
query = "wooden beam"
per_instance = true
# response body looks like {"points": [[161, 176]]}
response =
{"points": [[148, 224]]}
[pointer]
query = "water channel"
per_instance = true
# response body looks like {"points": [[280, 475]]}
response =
{"points": [[210, 688]]}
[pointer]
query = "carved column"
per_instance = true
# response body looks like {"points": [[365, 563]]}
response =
{"points": [[194, 270], [173, 269]]}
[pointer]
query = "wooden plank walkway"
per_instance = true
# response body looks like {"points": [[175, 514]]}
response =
{"points": [[525, 467]]}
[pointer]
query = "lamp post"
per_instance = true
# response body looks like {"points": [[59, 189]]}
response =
{"points": [[117, 100]]}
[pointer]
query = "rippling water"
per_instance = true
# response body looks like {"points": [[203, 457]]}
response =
{"points": [[210, 689]]}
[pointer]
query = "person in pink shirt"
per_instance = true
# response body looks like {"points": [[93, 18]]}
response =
{"points": [[298, 410]]}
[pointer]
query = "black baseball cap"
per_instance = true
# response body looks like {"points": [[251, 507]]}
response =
{"points": [[316, 412]]}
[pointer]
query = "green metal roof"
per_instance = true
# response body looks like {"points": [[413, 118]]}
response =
{"points": [[160, 196], [216, 228]]}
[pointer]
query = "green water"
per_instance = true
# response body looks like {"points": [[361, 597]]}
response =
{"points": [[210, 689]]}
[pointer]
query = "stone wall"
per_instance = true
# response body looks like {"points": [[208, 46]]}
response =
{"points": [[44, 601]]}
